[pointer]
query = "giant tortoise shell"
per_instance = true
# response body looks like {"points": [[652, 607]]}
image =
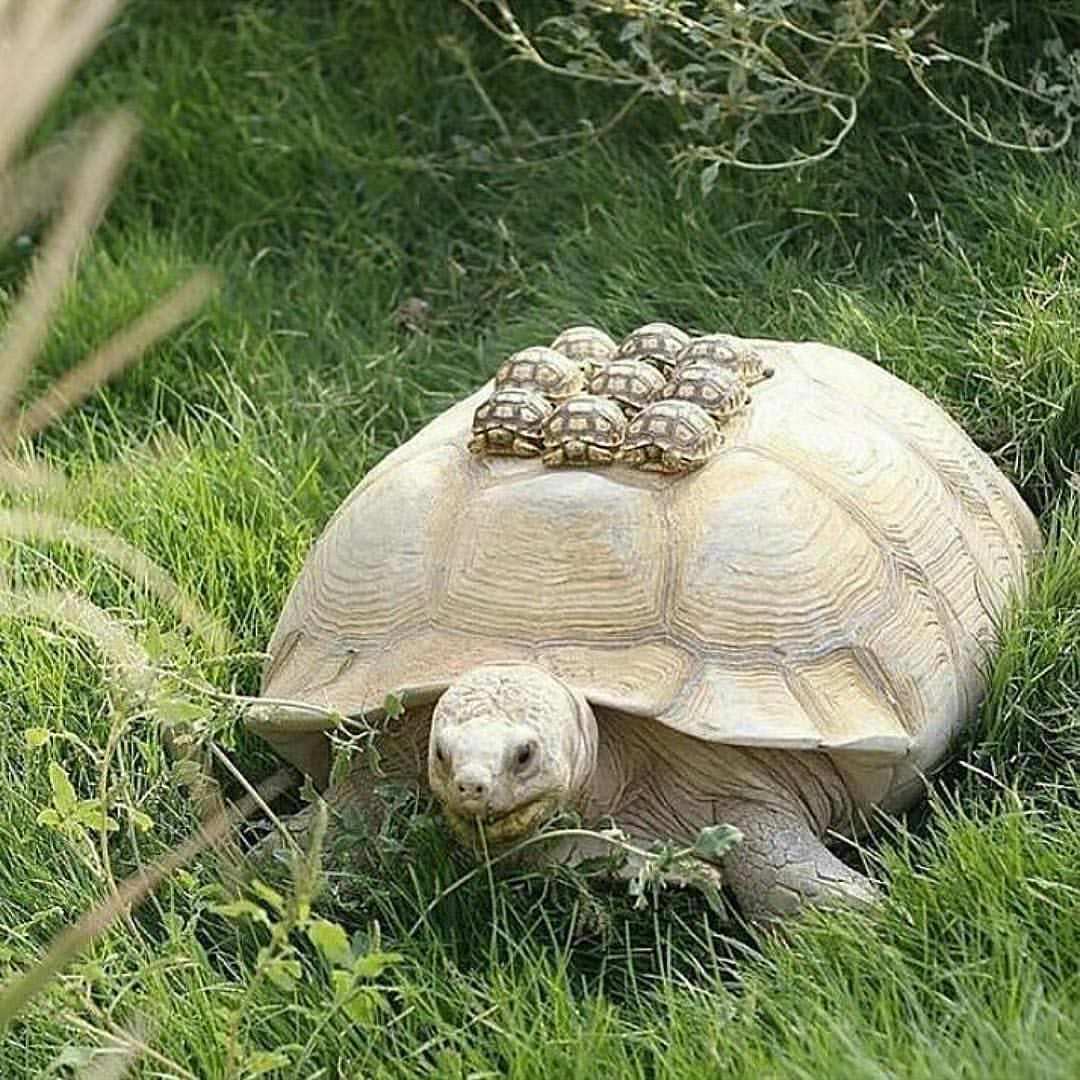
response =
{"points": [[830, 580]]}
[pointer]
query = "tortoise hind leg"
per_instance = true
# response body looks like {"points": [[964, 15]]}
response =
{"points": [[781, 866]]}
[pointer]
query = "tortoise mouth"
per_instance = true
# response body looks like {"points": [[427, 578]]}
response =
{"points": [[502, 830]]}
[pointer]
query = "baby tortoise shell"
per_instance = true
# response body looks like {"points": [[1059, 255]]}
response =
{"points": [[717, 390], [588, 345], [586, 430], [657, 343], [630, 383], [550, 373], [729, 353], [510, 422], [670, 436]]}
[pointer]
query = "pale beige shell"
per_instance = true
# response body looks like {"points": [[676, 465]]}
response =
{"points": [[550, 373], [831, 579], [720, 393], [631, 383], [588, 345]]}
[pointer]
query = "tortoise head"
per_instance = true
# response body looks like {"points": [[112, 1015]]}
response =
{"points": [[511, 746]]}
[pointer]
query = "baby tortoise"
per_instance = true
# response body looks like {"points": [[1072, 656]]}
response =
{"points": [[657, 343], [586, 430], [671, 437], [510, 422], [717, 390], [588, 345], [548, 372], [630, 383], [729, 353]]}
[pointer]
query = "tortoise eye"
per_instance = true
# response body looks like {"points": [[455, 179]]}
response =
{"points": [[524, 754], [440, 753]]}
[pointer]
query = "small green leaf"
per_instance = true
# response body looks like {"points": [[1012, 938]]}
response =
{"points": [[373, 964], [50, 817], [92, 814], [331, 941], [393, 706], [142, 822], [175, 710], [341, 768], [64, 797], [241, 909], [283, 973], [716, 840], [359, 1004], [708, 177], [268, 895], [263, 1061], [36, 737]]}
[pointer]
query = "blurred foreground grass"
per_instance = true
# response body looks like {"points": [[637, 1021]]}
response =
{"points": [[302, 149]]}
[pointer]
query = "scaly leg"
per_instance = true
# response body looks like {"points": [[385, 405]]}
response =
{"points": [[782, 867]]}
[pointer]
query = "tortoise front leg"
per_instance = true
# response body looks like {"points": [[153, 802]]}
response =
{"points": [[524, 448], [597, 455], [781, 867]]}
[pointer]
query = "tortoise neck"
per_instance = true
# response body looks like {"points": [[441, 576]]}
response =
{"points": [[583, 762]]}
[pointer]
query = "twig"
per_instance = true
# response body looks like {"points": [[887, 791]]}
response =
{"points": [[554, 834]]}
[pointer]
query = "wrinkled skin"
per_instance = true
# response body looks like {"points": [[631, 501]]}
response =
{"points": [[511, 746]]}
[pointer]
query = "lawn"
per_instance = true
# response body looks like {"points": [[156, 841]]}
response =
{"points": [[328, 158]]}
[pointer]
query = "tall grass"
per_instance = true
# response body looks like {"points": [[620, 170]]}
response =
{"points": [[307, 152]]}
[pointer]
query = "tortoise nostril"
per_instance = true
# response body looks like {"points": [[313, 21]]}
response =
{"points": [[472, 789]]}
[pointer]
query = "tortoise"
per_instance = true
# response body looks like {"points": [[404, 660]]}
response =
{"points": [[510, 422], [720, 393], [670, 436], [586, 430], [727, 352], [632, 384], [550, 373], [786, 640], [658, 343], [588, 345]]}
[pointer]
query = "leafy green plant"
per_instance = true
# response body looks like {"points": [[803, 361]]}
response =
{"points": [[763, 85]]}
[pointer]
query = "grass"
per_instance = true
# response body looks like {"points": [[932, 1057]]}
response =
{"points": [[307, 151]]}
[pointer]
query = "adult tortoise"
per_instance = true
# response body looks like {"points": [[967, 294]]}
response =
{"points": [[782, 640]]}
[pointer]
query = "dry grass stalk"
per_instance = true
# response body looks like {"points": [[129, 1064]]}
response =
{"points": [[132, 891], [34, 188], [26, 525], [41, 44], [88, 190], [117, 354]]}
